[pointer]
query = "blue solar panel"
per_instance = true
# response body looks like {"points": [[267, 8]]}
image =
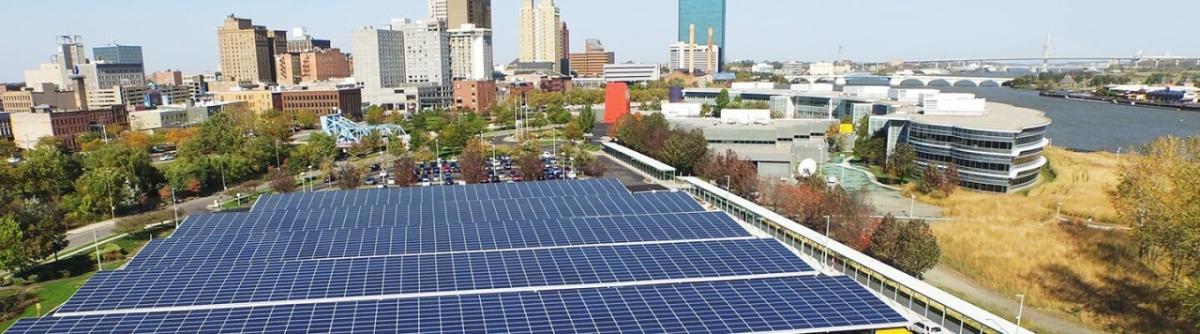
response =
{"points": [[401, 196], [301, 280], [738, 306], [453, 213], [197, 251]]}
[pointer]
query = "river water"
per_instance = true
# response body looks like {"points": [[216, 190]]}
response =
{"points": [[1094, 126]]}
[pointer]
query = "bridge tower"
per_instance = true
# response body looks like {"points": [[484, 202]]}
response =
{"points": [[1046, 54]]}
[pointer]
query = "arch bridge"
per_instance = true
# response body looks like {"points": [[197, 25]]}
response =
{"points": [[906, 80]]}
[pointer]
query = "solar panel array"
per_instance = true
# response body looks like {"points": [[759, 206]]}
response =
{"points": [[558, 256]]}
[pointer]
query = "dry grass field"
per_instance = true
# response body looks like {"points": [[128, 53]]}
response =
{"points": [[1011, 244]]}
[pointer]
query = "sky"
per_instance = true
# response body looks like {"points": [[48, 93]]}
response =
{"points": [[182, 34]]}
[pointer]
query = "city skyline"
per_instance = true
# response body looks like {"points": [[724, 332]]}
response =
{"points": [[867, 31]]}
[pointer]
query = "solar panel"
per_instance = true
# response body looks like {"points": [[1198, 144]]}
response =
{"points": [[197, 251], [451, 214], [402, 196], [794, 304], [434, 272]]}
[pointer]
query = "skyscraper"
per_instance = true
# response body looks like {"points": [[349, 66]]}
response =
{"points": [[705, 15], [426, 51], [247, 51], [477, 12], [541, 33], [118, 54], [471, 53], [378, 57]]}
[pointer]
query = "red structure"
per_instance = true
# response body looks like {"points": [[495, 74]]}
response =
{"points": [[616, 101]]}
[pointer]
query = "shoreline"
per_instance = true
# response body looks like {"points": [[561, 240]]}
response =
{"points": [[1123, 102]]}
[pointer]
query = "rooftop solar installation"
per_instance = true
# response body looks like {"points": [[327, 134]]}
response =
{"points": [[456, 214], [792, 304], [560, 256], [400, 275], [401, 196], [196, 251]]}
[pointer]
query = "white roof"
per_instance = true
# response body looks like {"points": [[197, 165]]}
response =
{"points": [[640, 157]]}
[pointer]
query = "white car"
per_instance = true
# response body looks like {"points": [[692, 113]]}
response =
{"points": [[926, 327], [547, 155]]}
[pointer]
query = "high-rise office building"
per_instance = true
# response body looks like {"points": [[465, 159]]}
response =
{"points": [[704, 15], [378, 57], [439, 9], [590, 63], [247, 51], [118, 54], [69, 53], [426, 51], [477, 12], [564, 52], [541, 33], [470, 53]]}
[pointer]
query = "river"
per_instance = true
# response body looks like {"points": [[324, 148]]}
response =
{"points": [[1094, 126]]}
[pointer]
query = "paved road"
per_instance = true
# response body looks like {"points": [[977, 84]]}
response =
{"points": [[1006, 306], [83, 235]]}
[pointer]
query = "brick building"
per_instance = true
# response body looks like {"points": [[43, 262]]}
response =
{"points": [[475, 95]]}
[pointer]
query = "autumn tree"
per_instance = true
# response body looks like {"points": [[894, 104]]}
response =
{"points": [[572, 132], [348, 175], [730, 171], [909, 246], [282, 181], [403, 169], [1158, 194], [471, 161], [530, 165], [950, 179], [932, 179]]}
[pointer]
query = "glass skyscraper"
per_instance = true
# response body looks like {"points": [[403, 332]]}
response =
{"points": [[704, 14], [119, 54]]}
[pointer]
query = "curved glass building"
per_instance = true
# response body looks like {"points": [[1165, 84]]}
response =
{"points": [[999, 151]]}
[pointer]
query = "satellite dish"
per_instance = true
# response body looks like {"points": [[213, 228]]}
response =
{"points": [[808, 167]]}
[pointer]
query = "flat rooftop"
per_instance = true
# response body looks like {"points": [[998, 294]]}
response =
{"points": [[999, 117]]}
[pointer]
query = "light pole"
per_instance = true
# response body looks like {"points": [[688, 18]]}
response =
{"points": [[912, 204], [825, 258], [307, 176], [174, 204], [96, 245], [1020, 308], [1058, 211]]}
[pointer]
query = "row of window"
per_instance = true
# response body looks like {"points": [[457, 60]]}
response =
{"points": [[969, 143]]}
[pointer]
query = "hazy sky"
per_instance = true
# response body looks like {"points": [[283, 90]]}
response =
{"points": [[182, 34]]}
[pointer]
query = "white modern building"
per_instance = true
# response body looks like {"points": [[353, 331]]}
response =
{"points": [[961, 104], [762, 68], [426, 51], [682, 110], [631, 72], [470, 53], [403, 66], [684, 56]]}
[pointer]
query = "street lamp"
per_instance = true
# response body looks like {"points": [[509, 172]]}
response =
{"points": [[825, 258], [1020, 308], [912, 203]]}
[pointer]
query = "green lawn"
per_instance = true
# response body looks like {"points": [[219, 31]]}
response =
{"points": [[81, 267]]}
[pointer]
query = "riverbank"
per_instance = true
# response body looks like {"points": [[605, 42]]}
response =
{"points": [[1120, 101]]}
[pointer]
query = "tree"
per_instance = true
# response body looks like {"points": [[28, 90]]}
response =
{"points": [[12, 256], [7, 148], [403, 169], [375, 115], [136, 139], [307, 119], [572, 132], [950, 179], [558, 115], [178, 136], [282, 181], [45, 232], [471, 162], [932, 179], [47, 173], [684, 149], [587, 119], [863, 142], [505, 117], [530, 165], [908, 246], [594, 168], [348, 176], [721, 102], [730, 171], [902, 162]]}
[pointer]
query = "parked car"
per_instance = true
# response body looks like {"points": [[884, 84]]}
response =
{"points": [[926, 327]]}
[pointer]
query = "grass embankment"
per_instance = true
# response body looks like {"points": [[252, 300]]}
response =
{"points": [[53, 283], [1011, 244]]}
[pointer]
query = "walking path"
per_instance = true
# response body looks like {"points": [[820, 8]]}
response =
{"points": [[951, 281]]}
